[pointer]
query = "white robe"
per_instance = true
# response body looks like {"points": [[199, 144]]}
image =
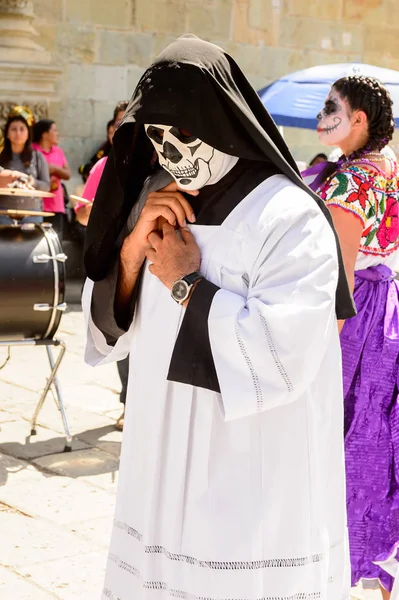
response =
{"points": [[238, 495]]}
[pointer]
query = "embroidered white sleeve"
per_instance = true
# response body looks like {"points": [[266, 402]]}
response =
{"points": [[268, 347]]}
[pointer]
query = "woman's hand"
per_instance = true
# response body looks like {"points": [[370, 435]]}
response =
{"points": [[60, 172], [7, 176], [83, 214]]}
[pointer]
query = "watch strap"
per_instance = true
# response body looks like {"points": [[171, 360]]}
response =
{"points": [[192, 278]]}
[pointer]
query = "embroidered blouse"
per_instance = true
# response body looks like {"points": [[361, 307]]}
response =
{"points": [[373, 198]]}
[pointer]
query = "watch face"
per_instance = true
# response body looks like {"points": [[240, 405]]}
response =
{"points": [[179, 290]]}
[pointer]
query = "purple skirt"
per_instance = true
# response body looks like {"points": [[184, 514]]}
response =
{"points": [[370, 355]]}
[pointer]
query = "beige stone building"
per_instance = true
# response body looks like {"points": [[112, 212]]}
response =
{"points": [[77, 58]]}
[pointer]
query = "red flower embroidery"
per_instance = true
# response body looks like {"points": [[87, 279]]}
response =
{"points": [[361, 194], [388, 230]]}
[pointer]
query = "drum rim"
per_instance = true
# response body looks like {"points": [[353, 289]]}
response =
{"points": [[61, 274], [47, 234]]}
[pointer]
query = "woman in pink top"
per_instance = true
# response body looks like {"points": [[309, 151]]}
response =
{"points": [[89, 192], [45, 138]]}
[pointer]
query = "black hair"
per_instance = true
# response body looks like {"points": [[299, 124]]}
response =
{"points": [[319, 155], [41, 127], [6, 154], [110, 123], [121, 106], [373, 98]]}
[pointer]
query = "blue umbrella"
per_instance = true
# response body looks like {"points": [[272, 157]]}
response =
{"points": [[296, 99]]}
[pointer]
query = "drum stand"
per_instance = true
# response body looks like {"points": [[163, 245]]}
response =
{"points": [[51, 380]]}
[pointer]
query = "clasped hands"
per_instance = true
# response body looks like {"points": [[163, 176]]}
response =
{"points": [[161, 235]]}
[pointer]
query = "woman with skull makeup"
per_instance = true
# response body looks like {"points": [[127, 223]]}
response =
{"points": [[219, 271], [361, 191]]}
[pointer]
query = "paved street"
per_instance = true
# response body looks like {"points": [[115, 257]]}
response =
{"points": [[56, 508]]}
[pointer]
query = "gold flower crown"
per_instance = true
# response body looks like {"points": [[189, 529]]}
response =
{"points": [[25, 112]]}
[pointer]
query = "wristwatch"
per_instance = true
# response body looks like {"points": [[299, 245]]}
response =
{"points": [[181, 289]]}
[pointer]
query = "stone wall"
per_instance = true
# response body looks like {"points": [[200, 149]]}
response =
{"points": [[103, 46]]}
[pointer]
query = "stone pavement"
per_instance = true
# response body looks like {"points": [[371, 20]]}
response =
{"points": [[56, 508]]}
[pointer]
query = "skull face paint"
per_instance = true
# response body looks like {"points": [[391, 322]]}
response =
{"points": [[191, 162], [334, 121]]}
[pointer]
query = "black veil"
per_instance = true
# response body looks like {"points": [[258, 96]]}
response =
{"points": [[196, 86]]}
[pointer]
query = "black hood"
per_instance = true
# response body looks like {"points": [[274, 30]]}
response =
{"points": [[196, 86]]}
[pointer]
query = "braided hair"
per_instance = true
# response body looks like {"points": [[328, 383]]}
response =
{"points": [[372, 97]]}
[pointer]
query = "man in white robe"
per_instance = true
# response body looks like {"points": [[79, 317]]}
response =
{"points": [[221, 276]]}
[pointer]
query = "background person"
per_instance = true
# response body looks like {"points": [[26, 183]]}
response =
{"points": [[120, 110], [319, 158], [101, 153], [105, 148], [83, 210], [45, 141], [19, 155]]}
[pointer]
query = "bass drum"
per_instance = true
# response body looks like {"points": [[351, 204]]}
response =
{"points": [[32, 282]]}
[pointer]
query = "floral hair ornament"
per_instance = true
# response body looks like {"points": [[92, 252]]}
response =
{"points": [[25, 112]]}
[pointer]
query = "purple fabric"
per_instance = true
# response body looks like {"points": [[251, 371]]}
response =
{"points": [[316, 171], [370, 354]]}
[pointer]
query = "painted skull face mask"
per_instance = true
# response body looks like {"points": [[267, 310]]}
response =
{"points": [[334, 121], [191, 162]]}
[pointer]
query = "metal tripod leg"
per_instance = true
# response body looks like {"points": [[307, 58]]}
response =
{"points": [[59, 400], [53, 379]]}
